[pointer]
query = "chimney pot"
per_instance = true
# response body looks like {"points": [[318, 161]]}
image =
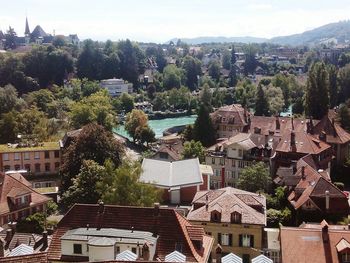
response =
{"points": [[327, 199], [303, 172], [45, 243]]}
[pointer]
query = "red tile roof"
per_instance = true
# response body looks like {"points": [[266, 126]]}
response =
{"points": [[305, 245], [10, 187], [235, 111], [171, 227], [34, 258], [227, 200]]}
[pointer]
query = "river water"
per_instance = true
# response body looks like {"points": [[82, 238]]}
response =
{"points": [[158, 126]]}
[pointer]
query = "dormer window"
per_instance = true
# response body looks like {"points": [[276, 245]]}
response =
{"points": [[236, 218], [215, 216], [345, 257]]}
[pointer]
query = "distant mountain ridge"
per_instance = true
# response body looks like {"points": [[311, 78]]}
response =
{"points": [[337, 32]]}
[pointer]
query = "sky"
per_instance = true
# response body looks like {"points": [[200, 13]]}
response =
{"points": [[161, 20]]}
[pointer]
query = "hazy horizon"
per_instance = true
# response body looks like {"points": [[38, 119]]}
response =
{"points": [[159, 21]]}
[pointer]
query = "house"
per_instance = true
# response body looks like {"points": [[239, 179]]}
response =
{"points": [[106, 232], [17, 199], [13, 243], [272, 247], [230, 119], [39, 162], [334, 135], [235, 218], [170, 148], [229, 157], [33, 258], [321, 243], [116, 87], [180, 179]]}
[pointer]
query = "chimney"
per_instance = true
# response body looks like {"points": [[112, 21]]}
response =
{"points": [[101, 207], [145, 252], [292, 141], [218, 251], [156, 209], [13, 227], [8, 237], [206, 202], [266, 140], [348, 226], [303, 172], [45, 243], [278, 124], [310, 126], [2, 247], [325, 236], [292, 124], [223, 177], [333, 126], [327, 199]]}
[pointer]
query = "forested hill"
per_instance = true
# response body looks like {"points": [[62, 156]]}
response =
{"points": [[335, 32]]}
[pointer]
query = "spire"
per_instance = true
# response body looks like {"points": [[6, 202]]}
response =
{"points": [[27, 31]]}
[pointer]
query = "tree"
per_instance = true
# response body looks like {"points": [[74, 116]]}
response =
{"points": [[111, 66], [95, 143], [192, 67], [187, 134], [214, 70], [226, 59], [160, 101], [261, 104], [134, 120], [344, 83], [126, 102], [250, 63], [317, 91], [59, 41], [145, 134], [90, 61], [344, 117], [95, 108], [172, 77], [8, 127], [40, 98], [206, 96], [333, 85], [254, 178], [203, 128], [233, 72], [122, 186], [84, 185], [8, 98], [275, 99], [158, 53], [193, 149], [10, 39]]}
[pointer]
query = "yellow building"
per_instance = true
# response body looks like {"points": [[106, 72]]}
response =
{"points": [[235, 218]]}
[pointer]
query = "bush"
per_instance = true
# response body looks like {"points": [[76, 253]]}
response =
{"points": [[276, 217], [32, 224]]}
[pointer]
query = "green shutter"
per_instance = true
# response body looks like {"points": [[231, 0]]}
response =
{"points": [[219, 238], [240, 241]]}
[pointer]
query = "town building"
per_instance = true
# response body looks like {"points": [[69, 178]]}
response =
{"points": [[18, 199], [235, 218], [230, 119], [180, 180], [107, 233], [39, 162], [116, 87], [229, 157], [321, 243]]}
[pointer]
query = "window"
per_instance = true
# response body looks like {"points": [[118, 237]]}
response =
{"points": [[17, 167], [57, 154], [215, 216], [225, 239], [224, 127], [246, 258], [118, 249], [217, 172], [7, 168], [37, 167], [47, 184], [36, 155], [222, 161], [77, 249], [163, 155], [345, 257], [236, 218], [26, 156], [5, 156], [212, 160], [133, 250], [47, 154], [27, 167], [233, 163], [178, 246], [37, 185], [47, 167], [246, 240], [57, 166], [275, 256], [17, 156], [240, 152]]}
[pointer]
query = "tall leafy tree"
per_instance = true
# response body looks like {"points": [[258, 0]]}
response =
{"points": [[317, 91], [173, 77], [333, 85], [250, 63], [233, 69], [8, 98], [254, 178], [192, 67], [203, 128], [136, 119], [344, 83], [193, 149], [214, 70], [95, 143], [10, 39], [261, 102]]}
